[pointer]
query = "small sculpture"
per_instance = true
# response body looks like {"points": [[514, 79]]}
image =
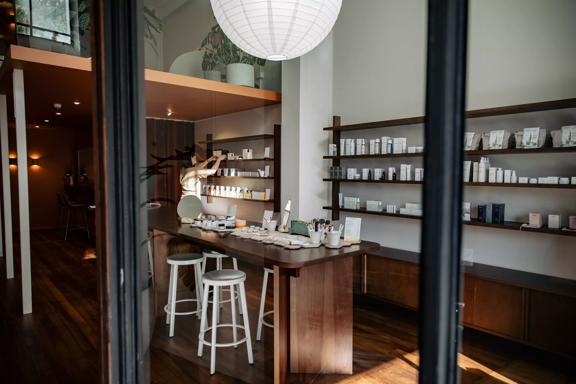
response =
{"points": [[190, 177]]}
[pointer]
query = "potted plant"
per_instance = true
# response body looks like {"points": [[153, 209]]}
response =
{"points": [[218, 49], [210, 59]]}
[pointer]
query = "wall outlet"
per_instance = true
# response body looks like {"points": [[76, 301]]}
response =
{"points": [[468, 256]]}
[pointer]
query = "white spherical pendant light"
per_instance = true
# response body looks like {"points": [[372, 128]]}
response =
{"points": [[276, 29]]}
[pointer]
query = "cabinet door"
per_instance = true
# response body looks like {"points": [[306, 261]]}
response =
{"points": [[498, 308], [468, 299], [392, 280], [551, 322]]}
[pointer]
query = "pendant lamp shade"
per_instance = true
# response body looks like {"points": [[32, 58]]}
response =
{"points": [[276, 29]]}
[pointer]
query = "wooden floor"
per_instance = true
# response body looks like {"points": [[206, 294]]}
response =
{"points": [[57, 343]]}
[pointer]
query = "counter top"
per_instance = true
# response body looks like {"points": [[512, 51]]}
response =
{"points": [[165, 219]]}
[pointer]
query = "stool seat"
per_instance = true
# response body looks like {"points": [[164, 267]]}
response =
{"points": [[224, 277], [185, 259]]}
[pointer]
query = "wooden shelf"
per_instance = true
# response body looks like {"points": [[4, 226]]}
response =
{"points": [[261, 159], [509, 151], [240, 139], [237, 198], [470, 184], [243, 177], [60, 77], [509, 225], [486, 112]]}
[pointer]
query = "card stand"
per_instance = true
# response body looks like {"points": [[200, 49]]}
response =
{"points": [[542, 139], [507, 141]]}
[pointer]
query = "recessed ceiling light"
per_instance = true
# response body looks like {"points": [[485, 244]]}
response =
{"points": [[59, 113], [36, 126], [46, 121], [76, 102]]}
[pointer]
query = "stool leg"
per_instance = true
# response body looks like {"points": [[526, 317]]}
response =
{"points": [[174, 279], [203, 320], [262, 305], [199, 290], [233, 308], [215, 311], [235, 265], [169, 295], [219, 268], [246, 324]]}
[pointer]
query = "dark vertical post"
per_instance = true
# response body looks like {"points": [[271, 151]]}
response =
{"points": [[209, 145], [119, 138], [442, 227], [277, 167], [336, 121]]}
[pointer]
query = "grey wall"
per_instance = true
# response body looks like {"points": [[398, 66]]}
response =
{"points": [[520, 51]]}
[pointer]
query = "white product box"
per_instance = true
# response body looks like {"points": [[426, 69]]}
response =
{"points": [[365, 173], [399, 145], [343, 148], [385, 145], [467, 170], [475, 167], [403, 172], [378, 172], [554, 221], [499, 175], [391, 172], [351, 173], [414, 206], [492, 174], [523, 180], [572, 222], [507, 176], [373, 206], [535, 220], [391, 208]]}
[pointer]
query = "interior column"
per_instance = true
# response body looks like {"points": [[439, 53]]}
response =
{"points": [[24, 214], [7, 200]]}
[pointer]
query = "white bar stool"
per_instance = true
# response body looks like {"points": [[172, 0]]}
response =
{"points": [[175, 261], [261, 313], [219, 257], [219, 279]]}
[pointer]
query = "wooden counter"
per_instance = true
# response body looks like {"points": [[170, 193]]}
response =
{"points": [[313, 294]]}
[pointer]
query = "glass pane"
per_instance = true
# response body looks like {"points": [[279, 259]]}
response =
{"points": [[516, 257], [51, 15]]}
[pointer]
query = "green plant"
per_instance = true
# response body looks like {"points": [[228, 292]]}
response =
{"points": [[218, 49]]}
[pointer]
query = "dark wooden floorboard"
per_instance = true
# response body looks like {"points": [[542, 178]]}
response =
{"points": [[58, 342]]}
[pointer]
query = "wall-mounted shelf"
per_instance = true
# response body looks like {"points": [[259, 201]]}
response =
{"points": [[243, 160], [509, 225], [243, 177], [509, 151], [239, 139], [238, 198], [276, 137], [494, 185], [486, 112]]}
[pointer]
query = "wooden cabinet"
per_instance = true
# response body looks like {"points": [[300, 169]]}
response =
{"points": [[392, 280], [513, 311], [494, 307], [552, 322]]}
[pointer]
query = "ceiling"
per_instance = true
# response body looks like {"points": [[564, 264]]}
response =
{"points": [[57, 78]]}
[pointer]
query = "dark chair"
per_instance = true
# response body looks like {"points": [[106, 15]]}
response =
{"points": [[67, 208]]}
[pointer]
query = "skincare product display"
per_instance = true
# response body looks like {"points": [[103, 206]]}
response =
{"points": [[554, 221], [332, 150], [491, 213], [266, 152], [530, 138], [572, 223], [235, 192], [235, 172], [493, 140], [374, 206], [247, 153], [564, 137], [466, 209], [412, 209], [351, 202], [381, 146], [471, 141]]}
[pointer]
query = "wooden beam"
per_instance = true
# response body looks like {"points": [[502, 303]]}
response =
{"points": [[23, 207], [7, 199]]}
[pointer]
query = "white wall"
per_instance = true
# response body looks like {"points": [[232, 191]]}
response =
{"points": [[252, 122], [306, 105], [520, 51]]}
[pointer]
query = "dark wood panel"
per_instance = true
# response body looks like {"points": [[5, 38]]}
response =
{"points": [[552, 322], [321, 318], [497, 308], [392, 280], [266, 136], [468, 300]]}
